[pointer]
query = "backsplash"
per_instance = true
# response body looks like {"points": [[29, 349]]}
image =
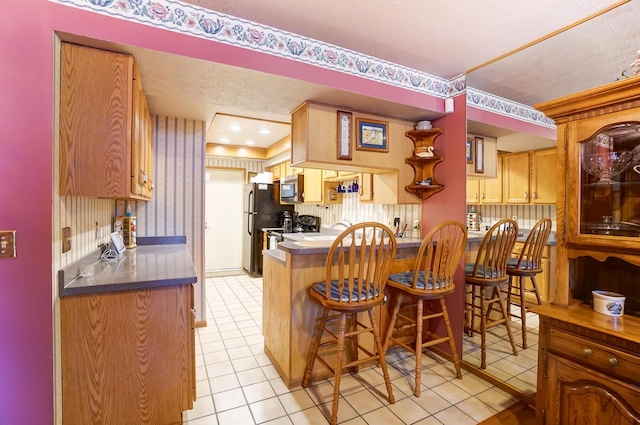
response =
{"points": [[356, 212], [527, 215]]}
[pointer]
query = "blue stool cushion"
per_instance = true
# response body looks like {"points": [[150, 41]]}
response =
{"points": [[321, 288], [488, 274], [406, 279], [513, 262]]}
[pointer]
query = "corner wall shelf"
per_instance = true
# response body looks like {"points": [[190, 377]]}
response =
{"points": [[423, 167]]}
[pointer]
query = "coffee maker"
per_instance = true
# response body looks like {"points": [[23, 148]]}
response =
{"points": [[286, 221]]}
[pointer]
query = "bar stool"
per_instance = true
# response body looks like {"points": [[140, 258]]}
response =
{"points": [[483, 281], [431, 279], [528, 264], [357, 270]]}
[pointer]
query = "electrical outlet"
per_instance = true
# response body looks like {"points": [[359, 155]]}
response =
{"points": [[416, 225]]}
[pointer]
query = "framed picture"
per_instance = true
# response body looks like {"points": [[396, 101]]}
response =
{"points": [[479, 155], [372, 135], [344, 135], [469, 151]]}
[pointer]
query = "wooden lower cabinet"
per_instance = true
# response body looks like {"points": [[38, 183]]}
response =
{"points": [[128, 357], [588, 371], [545, 280]]}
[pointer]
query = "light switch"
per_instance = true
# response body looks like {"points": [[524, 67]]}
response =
{"points": [[66, 239], [7, 243]]}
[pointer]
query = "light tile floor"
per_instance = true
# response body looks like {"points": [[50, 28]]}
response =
{"points": [[519, 371], [238, 385]]}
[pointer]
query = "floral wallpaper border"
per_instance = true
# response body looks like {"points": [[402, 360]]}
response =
{"points": [[499, 105], [208, 24], [173, 15]]}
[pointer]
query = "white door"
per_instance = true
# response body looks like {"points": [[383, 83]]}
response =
{"points": [[223, 213]]}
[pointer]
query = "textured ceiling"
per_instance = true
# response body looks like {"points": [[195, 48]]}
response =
{"points": [[442, 37]]}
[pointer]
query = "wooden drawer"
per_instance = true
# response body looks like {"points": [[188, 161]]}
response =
{"points": [[597, 355], [517, 249]]}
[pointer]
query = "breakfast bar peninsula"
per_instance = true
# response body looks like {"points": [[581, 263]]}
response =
{"points": [[289, 313]]}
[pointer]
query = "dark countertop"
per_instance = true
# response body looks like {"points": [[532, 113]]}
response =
{"points": [[319, 243], [476, 236], [146, 266]]}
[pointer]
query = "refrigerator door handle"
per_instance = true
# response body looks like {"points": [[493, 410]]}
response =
{"points": [[249, 211]]}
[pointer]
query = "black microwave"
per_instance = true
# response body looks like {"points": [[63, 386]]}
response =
{"points": [[292, 189]]}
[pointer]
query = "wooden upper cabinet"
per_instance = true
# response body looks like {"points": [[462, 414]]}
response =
{"points": [[491, 189], [142, 141], [473, 191], [515, 175], [544, 166], [105, 127]]}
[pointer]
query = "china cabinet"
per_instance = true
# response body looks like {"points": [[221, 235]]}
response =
{"points": [[423, 161], [589, 362]]}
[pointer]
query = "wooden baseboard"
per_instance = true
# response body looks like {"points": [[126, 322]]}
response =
{"points": [[201, 324], [517, 414]]}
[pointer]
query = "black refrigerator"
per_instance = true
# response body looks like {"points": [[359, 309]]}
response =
{"points": [[261, 209]]}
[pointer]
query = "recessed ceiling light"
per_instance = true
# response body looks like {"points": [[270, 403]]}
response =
{"points": [[264, 131], [235, 127], [250, 142], [224, 140]]}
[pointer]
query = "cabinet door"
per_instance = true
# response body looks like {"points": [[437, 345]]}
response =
{"points": [[473, 191], [515, 174], [366, 187], [543, 176], [276, 172], [312, 186], [141, 141], [95, 122], [575, 394], [491, 189]]}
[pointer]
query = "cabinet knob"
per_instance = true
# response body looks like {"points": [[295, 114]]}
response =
{"points": [[535, 195], [613, 361], [587, 352], [526, 195], [483, 196]]}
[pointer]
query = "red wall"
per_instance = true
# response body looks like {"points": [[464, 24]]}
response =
{"points": [[26, 332], [26, 125], [449, 204]]}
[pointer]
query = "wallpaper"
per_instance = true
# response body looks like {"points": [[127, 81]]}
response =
{"points": [[177, 205]]}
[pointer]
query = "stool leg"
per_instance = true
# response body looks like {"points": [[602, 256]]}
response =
{"points": [[452, 343], [483, 330], [419, 323], [523, 313], [381, 354], [496, 292], [354, 339], [392, 322], [535, 289], [338, 369], [314, 350]]}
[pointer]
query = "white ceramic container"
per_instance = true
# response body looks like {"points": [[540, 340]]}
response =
{"points": [[609, 303]]}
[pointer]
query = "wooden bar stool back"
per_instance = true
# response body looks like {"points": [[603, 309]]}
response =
{"points": [[357, 270], [528, 264], [484, 280], [431, 279]]}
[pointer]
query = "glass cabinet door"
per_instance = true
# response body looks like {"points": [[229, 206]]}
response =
{"points": [[609, 194]]}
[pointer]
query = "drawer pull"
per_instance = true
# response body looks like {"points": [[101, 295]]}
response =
{"points": [[587, 352], [613, 361]]}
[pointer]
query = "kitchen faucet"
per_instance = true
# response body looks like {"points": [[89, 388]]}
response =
{"points": [[346, 223]]}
